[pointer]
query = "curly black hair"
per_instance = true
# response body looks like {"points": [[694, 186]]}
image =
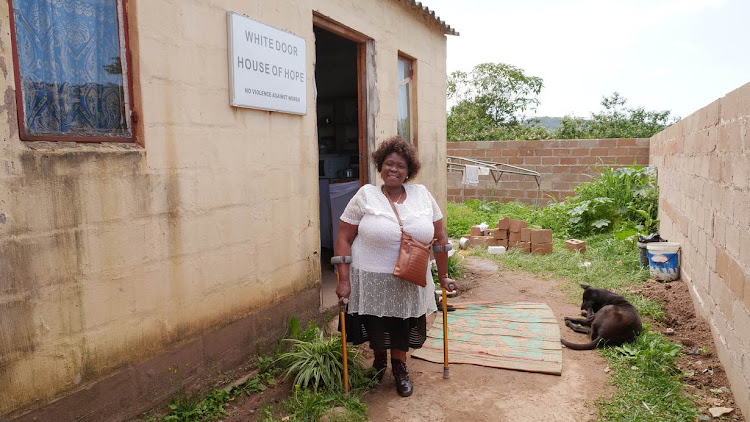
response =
{"points": [[401, 147]]}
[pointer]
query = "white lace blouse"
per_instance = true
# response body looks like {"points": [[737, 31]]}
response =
{"points": [[375, 291]]}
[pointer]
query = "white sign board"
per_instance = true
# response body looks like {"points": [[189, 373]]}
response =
{"points": [[268, 67]]}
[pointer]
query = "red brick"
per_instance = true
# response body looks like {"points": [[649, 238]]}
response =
{"points": [[518, 245], [626, 142], [533, 160], [546, 152], [599, 152], [562, 152], [541, 236], [618, 151], [525, 234], [510, 152], [575, 245], [501, 234], [550, 161], [541, 248], [504, 223], [580, 152], [568, 160], [588, 160], [515, 160], [482, 241], [517, 225]]}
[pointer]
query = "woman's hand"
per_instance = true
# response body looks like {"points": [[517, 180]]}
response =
{"points": [[448, 284], [343, 289]]}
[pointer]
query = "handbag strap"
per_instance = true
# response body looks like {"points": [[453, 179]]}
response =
{"points": [[390, 201]]}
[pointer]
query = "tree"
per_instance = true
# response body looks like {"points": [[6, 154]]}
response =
{"points": [[489, 103], [616, 121]]}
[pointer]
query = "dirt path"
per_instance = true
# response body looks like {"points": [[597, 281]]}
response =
{"points": [[477, 393]]}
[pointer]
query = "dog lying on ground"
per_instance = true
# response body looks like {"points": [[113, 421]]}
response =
{"points": [[609, 320]]}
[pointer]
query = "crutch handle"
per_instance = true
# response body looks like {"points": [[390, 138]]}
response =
{"points": [[442, 248], [341, 260], [343, 303]]}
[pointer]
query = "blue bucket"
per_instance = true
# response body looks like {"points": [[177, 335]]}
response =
{"points": [[664, 260]]}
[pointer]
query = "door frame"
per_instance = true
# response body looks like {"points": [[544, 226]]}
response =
{"points": [[364, 43]]}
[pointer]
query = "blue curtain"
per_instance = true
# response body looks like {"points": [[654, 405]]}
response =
{"points": [[71, 72]]}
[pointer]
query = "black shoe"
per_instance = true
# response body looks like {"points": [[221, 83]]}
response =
{"points": [[401, 373], [380, 364]]}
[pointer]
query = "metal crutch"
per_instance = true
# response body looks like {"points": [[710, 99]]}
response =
{"points": [[342, 319], [446, 370]]}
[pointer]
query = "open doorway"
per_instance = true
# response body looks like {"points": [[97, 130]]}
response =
{"points": [[342, 147]]}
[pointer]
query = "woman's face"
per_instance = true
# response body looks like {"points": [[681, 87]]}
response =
{"points": [[394, 170]]}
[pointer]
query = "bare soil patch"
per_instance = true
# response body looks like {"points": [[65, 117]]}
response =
{"points": [[706, 381], [476, 393]]}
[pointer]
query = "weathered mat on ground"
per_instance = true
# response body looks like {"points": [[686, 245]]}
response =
{"points": [[510, 335]]}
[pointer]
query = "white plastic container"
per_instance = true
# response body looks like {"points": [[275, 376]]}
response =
{"points": [[664, 260], [496, 250]]}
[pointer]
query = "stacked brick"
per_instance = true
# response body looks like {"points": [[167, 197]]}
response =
{"points": [[513, 234]]}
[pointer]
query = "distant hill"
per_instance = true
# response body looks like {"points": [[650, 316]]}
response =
{"points": [[550, 123]]}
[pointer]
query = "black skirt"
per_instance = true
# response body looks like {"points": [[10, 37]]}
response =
{"points": [[386, 332]]}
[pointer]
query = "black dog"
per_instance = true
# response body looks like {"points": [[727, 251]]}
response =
{"points": [[611, 318]]}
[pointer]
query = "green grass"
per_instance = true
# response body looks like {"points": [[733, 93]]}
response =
{"points": [[613, 265], [648, 382], [649, 386]]}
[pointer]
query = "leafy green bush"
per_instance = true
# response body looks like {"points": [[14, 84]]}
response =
{"points": [[623, 200], [634, 196]]}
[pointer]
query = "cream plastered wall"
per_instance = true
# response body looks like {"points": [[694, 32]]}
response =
{"points": [[395, 28], [113, 254]]}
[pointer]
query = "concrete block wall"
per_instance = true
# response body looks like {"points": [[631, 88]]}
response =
{"points": [[704, 204], [563, 165]]}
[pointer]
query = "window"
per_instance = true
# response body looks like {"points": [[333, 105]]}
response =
{"points": [[71, 70], [406, 99]]}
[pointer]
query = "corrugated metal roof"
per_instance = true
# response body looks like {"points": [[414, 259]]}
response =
{"points": [[430, 14]]}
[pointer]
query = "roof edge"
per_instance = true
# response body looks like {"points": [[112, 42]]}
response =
{"points": [[430, 14]]}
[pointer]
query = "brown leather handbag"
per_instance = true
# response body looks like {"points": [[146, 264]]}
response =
{"points": [[413, 257]]}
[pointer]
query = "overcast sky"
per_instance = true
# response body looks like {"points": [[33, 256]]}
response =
{"points": [[676, 55]]}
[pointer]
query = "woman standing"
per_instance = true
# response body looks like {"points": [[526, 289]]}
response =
{"points": [[387, 311]]}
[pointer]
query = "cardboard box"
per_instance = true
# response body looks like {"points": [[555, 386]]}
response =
{"points": [[504, 224], [575, 245], [525, 235], [476, 231], [517, 225], [541, 236], [501, 234], [541, 248], [514, 237]]}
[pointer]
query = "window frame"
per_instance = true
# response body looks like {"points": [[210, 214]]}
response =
{"points": [[412, 89], [127, 82]]}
